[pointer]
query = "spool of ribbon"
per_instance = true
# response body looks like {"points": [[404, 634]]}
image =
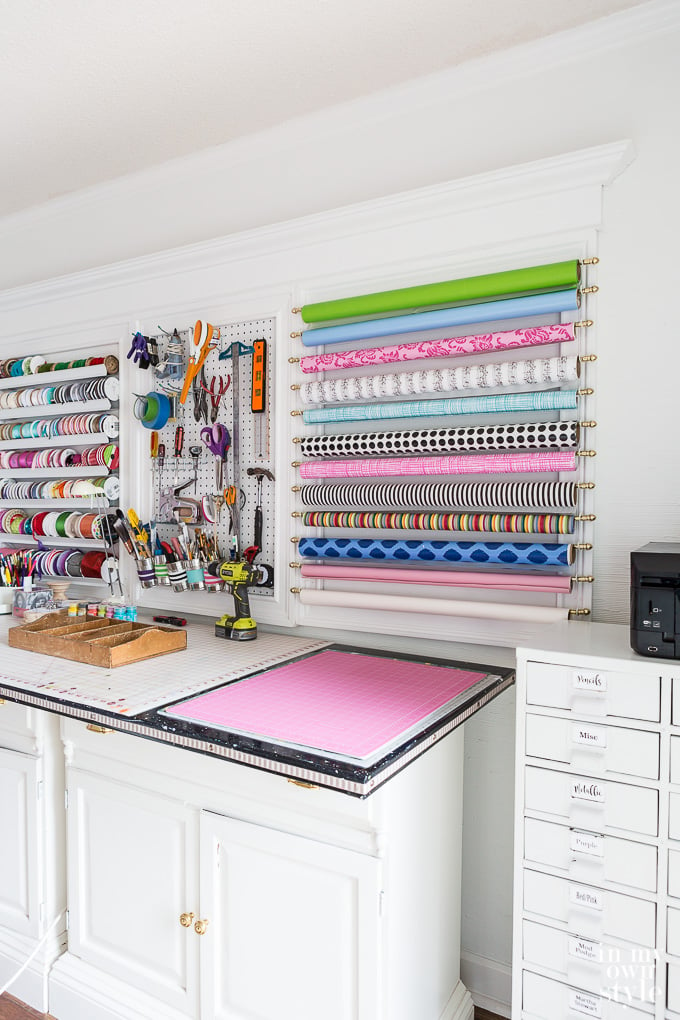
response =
{"points": [[474, 464], [489, 311], [532, 372], [437, 607], [535, 554], [535, 400], [534, 279], [548, 435], [444, 495], [553, 584], [480, 343], [524, 524]]}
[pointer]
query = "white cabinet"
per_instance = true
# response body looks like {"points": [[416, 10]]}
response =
{"points": [[32, 862], [202, 890], [596, 928]]}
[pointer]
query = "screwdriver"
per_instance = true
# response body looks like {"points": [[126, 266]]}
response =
{"points": [[195, 453]]}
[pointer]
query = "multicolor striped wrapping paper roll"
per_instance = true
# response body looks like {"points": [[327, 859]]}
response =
{"points": [[539, 400], [533, 279], [479, 343], [443, 495], [489, 311], [532, 372], [554, 584], [535, 554], [520, 524], [436, 607], [548, 435], [474, 464]]}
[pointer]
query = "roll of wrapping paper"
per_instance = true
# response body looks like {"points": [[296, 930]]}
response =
{"points": [[490, 311], [479, 343], [548, 435], [534, 554], [532, 280], [532, 372], [433, 607], [519, 524], [538, 400], [443, 495], [474, 464], [553, 584]]}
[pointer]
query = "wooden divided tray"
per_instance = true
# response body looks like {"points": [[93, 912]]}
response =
{"points": [[95, 641]]}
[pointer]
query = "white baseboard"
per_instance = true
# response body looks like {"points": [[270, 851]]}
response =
{"points": [[81, 992], [31, 985], [490, 982], [460, 1006]]}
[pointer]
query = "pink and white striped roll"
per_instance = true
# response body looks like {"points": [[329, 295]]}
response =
{"points": [[480, 343], [554, 584], [480, 464]]}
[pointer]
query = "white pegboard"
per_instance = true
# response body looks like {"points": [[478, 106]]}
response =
{"points": [[255, 446]]}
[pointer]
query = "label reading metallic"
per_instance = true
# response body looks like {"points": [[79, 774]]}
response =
{"points": [[586, 896], [591, 736], [587, 789], [581, 1002], [582, 680], [587, 843], [585, 949]]}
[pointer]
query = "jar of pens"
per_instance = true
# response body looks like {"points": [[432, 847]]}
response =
{"points": [[18, 570], [178, 562]]}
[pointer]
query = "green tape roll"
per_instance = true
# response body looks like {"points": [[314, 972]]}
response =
{"points": [[512, 282]]}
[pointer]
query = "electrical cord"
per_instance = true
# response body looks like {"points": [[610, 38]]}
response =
{"points": [[41, 943]]}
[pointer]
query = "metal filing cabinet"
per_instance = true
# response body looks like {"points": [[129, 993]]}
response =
{"points": [[597, 830]]}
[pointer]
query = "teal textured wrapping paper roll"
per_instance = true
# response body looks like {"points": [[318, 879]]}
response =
{"points": [[533, 280], [462, 315], [540, 400]]}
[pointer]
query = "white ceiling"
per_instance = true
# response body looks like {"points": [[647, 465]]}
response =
{"points": [[94, 89]]}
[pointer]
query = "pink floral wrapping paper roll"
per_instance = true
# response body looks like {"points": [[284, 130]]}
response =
{"points": [[446, 348], [490, 463]]}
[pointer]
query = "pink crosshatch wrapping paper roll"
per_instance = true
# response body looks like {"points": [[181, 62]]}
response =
{"points": [[555, 584], [478, 344], [481, 464]]}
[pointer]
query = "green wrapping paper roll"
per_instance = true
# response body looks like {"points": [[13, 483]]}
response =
{"points": [[510, 283]]}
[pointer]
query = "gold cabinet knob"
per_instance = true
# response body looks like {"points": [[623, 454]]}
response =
{"points": [[201, 927], [185, 920]]}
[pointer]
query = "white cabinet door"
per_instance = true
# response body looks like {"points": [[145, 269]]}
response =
{"points": [[293, 926], [132, 871], [20, 842]]}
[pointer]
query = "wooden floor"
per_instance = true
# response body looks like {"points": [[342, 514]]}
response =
{"points": [[12, 1009]]}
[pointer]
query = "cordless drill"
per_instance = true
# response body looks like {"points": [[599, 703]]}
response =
{"points": [[238, 576]]}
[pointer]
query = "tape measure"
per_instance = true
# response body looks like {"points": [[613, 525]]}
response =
{"points": [[257, 394]]}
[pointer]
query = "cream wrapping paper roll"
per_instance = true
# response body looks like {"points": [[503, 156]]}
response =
{"points": [[532, 372], [436, 607], [555, 584]]}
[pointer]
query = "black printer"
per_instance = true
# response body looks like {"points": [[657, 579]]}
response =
{"points": [[655, 600]]}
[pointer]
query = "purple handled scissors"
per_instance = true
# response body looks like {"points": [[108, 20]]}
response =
{"points": [[216, 437]]}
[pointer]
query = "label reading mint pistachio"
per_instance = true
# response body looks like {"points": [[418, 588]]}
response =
{"points": [[587, 843], [591, 736], [586, 896], [587, 789], [581, 1002], [589, 680], [585, 949]]}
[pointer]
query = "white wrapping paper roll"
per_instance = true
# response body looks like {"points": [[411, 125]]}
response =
{"points": [[437, 607]]}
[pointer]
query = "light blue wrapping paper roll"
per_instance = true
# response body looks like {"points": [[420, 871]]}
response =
{"points": [[539, 400], [488, 311], [536, 554]]}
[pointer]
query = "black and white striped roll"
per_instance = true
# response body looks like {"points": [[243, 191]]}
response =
{"points": [[546, 435], [533, 371], [442, 495]]}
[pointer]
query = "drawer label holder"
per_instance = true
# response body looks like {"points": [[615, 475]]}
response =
{"points": [[585, 949], [587, 897], [590, 736], [587, 789], [591, 843], [581, 1002], [589, 680]]}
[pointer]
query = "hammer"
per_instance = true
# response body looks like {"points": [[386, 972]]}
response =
{"points": [[251, 552]]}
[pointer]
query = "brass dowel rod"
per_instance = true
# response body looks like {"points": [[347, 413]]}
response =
{"points": [[295, 488], [579, 612], [296, 311], [295, 539], [590, 290], [293, 361], [587, 424], [587, 392], [583, 545], [296, 414], [586, 579], [296, 334], [586, 453], [296, 513], [584, 322], [295, 386], [295, 565], [297, 439], [296, 591], [295, 463], [592, 261], [587, 357], [585, 485], [585, 517]]}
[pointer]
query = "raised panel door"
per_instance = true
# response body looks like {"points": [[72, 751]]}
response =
{"points": [[20, 842]]}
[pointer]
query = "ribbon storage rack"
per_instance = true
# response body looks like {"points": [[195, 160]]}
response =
{"points": [[445, 455], [59, 468]]}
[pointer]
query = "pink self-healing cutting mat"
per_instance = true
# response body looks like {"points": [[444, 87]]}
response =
{"points": [[339, 702]]}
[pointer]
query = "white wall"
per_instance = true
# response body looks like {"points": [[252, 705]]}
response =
{"points": [[617, 80]]}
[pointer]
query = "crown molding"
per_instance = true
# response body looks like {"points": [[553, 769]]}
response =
{"points": [[591, 168], [624, 28]]}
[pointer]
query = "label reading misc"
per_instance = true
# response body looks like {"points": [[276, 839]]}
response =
{"points": [[591, 736], [581, 1002], [589, 680], [585, 949], [586, 896], [587, 789], [587, 843]]}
